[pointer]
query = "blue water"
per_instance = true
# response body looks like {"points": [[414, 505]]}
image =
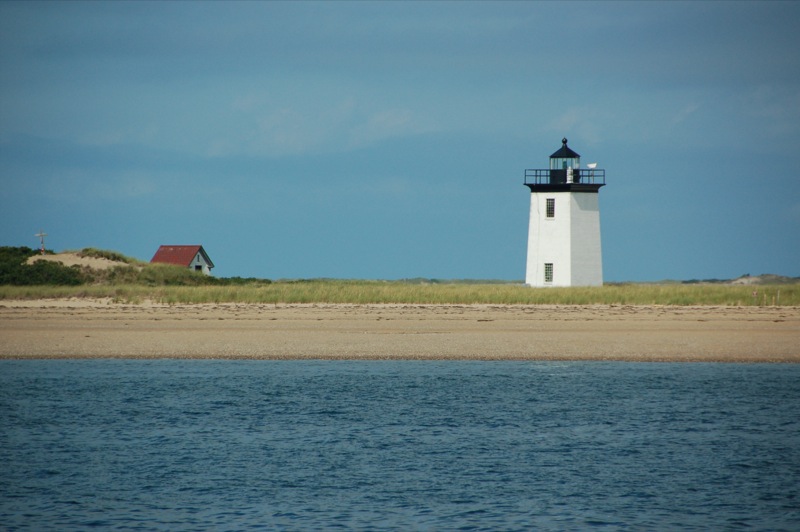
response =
{"points": [[228, 445]]}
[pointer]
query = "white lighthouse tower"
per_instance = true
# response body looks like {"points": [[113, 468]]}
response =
{"points": [[564, 228]]}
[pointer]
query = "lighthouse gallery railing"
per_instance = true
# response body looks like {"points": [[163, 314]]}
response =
{"points": [[592, 176]]}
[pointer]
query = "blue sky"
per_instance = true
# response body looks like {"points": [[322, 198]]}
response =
{"points": [[388, 140]]}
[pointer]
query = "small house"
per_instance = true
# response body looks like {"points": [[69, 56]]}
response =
{"points": [[192, 257]]}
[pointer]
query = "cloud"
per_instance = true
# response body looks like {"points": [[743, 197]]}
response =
{"points": [[265, 125], [777, 107], [128, 186], [82, 187], [684, 113], [388, 123], [584, 123], [792, 213]]}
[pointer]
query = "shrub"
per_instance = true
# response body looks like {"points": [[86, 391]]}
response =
{"points": [[15, 271], [52, 273], [12, 263]]}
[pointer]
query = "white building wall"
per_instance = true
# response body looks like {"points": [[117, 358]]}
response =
{"points": [[570, 240], [586, 253], [549, 240]]}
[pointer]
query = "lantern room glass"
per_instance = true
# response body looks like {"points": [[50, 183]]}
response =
{"points": [[562, 163]]}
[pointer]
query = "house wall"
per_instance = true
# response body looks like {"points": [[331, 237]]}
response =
{"points": [[200, 262]]}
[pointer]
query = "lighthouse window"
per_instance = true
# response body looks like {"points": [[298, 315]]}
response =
{"points": [[551, 207], [548, 272]]}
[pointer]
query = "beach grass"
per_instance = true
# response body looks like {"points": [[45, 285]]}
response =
{"points": [[439, 293]]}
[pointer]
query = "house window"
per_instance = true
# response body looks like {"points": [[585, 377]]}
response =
{"points": [[551, 207], [198, 268], [548, 272]]}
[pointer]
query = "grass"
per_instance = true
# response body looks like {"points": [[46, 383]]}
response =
{"points": [[398, 292], [133, 281]]}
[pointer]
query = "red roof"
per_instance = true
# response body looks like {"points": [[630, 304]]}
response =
{"points": [[180, 255]]}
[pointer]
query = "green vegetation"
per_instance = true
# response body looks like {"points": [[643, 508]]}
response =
{"points": [[133, 281], [14, 270], [398, 292]]}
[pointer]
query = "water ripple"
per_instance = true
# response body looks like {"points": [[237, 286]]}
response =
{"points": [[210, 445]]}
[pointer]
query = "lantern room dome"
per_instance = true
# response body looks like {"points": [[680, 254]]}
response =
{"points": [[565, 158], [565, 152]]}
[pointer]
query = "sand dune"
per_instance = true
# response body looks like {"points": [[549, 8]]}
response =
{"points": [[74, 259]]}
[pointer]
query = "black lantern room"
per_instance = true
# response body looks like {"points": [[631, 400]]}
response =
{"points": [[565, 173], [564, 162]]}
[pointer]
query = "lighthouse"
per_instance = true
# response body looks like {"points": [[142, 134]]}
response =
{"points": [[564, 227]]}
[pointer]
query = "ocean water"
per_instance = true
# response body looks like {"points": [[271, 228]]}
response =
{"points": [[318, 445]]}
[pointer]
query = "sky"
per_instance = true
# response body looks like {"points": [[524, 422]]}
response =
{"points": [[388, 140]]}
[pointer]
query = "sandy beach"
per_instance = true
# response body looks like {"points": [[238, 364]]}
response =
{"points": [[80, 328]]}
